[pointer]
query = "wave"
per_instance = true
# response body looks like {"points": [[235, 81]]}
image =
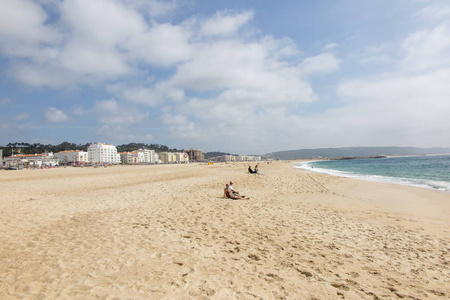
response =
{"points": [[415, 182]]}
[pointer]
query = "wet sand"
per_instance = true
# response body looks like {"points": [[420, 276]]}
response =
{"points": [[166, 232]]}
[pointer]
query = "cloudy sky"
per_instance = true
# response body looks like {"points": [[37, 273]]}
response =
{"points": [[239, 76]]}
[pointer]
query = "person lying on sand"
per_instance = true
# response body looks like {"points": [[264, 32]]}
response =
{"points": [[227, 193]]}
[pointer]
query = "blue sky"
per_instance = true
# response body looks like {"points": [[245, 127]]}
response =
{"points": [[246, 77]]}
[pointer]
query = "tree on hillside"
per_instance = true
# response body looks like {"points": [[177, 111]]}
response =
{"points": [[37, 148]]}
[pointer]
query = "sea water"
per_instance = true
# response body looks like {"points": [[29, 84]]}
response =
{"points": [[431, 172]]}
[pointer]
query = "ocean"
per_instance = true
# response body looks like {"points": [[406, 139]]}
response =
{"points": [[432, 172]]}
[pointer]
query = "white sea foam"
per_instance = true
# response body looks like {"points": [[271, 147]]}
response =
{"points": [[420, 183]]}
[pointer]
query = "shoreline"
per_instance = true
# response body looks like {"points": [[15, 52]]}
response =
{"points": [[167, 232], [402, 181]]}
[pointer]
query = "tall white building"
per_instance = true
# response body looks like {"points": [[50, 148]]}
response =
{"points": [[150, 156], [103, 154]]}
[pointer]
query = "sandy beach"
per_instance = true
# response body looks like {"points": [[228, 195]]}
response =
{"points": [[166, 232]]}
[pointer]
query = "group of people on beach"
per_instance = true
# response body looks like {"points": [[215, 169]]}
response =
{"points": [[231, 193]]}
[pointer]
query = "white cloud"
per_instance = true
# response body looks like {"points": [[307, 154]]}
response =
{"points": [[87, 61], [79, 110], [225, 23], [375, 54], [322, 63], [22, 29], [330, 46], [427, 49], [153, 95], [153, 8], [162, 45], [181, 126], [396, 109], [94, 47], [436, 10], [55, 115], [122, 133], [111, 42], [105, 23], [119, 122], [22, 116], [109, 112], [243, 72]]}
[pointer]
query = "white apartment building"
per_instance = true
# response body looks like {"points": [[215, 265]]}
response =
{"points": [[173, 158], [151, 156], [225, 158], [100, 153], [126, 158], [167, 157], [75, 157], [145, 156], [138, 157], [248, 158], [182, 157]]}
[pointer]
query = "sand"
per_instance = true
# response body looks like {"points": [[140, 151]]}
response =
{"points": [[165, 232]]}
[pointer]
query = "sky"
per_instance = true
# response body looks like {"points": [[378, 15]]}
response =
{"points": [[237, 76]]}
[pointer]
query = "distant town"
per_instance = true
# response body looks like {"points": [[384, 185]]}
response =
{"points": [[102, 154], [24, 155]]}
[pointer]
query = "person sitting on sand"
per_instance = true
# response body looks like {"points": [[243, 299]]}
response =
{"points": [[230, 187], [254, 171], [227, 193], [257, 171]]}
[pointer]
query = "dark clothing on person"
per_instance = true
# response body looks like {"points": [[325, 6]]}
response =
{"points": [[251, 171]]}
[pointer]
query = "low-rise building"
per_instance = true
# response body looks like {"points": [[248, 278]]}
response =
{"points": [[167, 157], [137, 157], [74, 157], [248, 158], [182, 158], [42, 160], [144, 156], [126, 157], [224, 158], [173, 158]]}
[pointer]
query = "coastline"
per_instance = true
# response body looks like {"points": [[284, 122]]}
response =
{"points": [[435, 184], [166, 232]]}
